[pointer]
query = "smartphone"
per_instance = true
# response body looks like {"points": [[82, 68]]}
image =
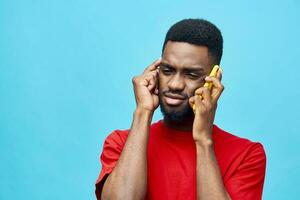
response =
{"points": [[209, 85]]}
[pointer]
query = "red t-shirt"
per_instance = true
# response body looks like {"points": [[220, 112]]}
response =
{"points": [[172, 163]]}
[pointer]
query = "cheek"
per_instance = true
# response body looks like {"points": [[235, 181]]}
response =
{"points": [[162, 82], [192, 87]]}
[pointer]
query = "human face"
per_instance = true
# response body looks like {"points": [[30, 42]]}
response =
{"points": [[182, 70]]}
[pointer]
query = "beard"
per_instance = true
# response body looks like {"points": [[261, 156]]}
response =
{"points": [[178, 114]]}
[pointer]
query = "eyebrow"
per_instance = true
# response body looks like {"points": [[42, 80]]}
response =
{"points": [[185, 68]]}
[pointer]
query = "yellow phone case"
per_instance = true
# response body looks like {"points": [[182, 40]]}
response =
{"points": [[209, 85]]}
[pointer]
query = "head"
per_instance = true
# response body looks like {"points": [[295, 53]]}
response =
{"points": [[190, 50]]}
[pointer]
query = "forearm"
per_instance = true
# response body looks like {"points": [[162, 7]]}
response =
{"points": [[209, 180], [128, 180]]}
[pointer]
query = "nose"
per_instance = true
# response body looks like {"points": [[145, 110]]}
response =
{"points": [[176, 83]]}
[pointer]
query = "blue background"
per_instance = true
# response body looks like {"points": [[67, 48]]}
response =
{"points": [[65, 84]]}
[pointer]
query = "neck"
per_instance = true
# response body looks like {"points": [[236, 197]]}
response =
{"points": [[185, 125]]}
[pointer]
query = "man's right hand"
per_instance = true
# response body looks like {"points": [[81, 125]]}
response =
{"points": [[145, 88], [128, 180]]}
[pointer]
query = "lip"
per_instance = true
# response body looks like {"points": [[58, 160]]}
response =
{"points": [[173, 99]]}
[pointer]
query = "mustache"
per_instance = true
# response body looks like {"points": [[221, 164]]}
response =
{"points": [[181, 94]]}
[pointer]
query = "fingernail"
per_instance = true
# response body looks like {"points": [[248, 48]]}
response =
{"points": [[221, 70]]}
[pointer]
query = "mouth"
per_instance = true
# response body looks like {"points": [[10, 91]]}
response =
{"points": [[174, 99]]}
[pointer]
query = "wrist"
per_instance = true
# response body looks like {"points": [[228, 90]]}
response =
{"points": [[204, 142], [143, 111], [143, 114]]}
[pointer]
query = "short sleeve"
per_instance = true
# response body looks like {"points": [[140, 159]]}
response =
{"points": [[247, 181], [112, 148]]}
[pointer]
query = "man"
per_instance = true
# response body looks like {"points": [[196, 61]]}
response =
{"points": [[184, 156]]}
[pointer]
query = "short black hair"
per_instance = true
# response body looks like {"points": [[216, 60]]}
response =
{"points": [[198, 32]]}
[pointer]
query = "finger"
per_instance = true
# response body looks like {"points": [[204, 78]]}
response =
{"points": [[198, 94], [219, 74], [192, 101], [156, 91], [151, 80], [215, 81], [155, 76], [151, 84], [206, 96], [153, 66], [198, 101], [199, 91], [217, 87], [150, 75]]}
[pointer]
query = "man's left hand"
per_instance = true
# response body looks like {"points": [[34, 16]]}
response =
{"points": [[206, 105]]}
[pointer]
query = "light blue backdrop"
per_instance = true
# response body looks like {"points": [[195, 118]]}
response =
{"points": [[65, 83]]}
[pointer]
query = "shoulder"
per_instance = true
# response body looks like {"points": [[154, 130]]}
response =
{"points": [[116, 138], [226, 138], [238, 148]]}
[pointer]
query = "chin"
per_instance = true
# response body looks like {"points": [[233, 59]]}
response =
{"points": [[176, 113]]}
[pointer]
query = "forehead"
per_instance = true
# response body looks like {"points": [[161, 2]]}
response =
{"points": [[182, 54]]}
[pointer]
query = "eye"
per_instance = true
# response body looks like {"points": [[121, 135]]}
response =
{"points": [[166, 70], [192, 75]]}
